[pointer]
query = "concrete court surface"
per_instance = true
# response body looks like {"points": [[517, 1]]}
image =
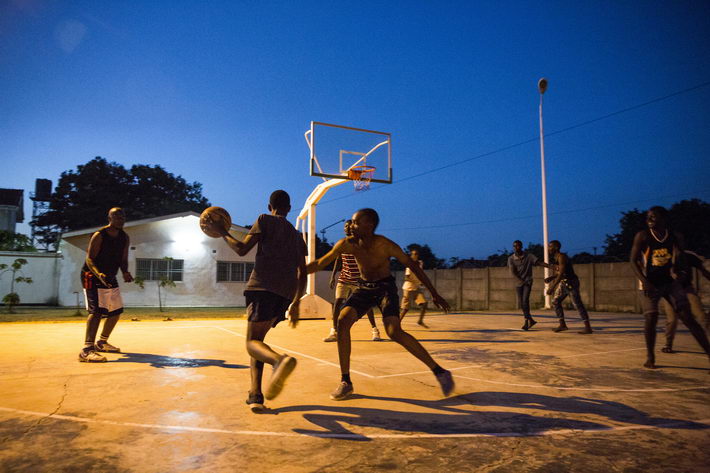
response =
{"points": [[525, 401]]}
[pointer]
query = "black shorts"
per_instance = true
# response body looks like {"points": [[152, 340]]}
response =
{"points": [[99, 299], [263, 306], [382, 294]]}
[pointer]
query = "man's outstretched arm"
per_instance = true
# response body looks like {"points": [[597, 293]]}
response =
{"points": [[326, 259]]}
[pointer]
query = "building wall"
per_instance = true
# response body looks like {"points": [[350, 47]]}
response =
{"points": [[178, 238], [43, 268], [8, 217]]}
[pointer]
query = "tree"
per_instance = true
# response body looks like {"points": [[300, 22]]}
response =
{"points": [[12, 299], [10, 241], [688, 217], [83, 197], [425, 254]]}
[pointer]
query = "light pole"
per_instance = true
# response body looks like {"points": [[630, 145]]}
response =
{"points": [[542, 87]]}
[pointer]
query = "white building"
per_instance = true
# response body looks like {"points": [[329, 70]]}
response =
{"points": [[205, 270], [207, 273]]}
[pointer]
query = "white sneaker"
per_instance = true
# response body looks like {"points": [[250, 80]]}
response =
{"points": [[333, 337], [376, 335]]}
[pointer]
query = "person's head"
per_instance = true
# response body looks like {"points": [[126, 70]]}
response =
{"points": [[364, 222], [414, 254], [517, 246], [346, 227], [116, 217], [554, 247], [657, 217], [280, 202]]}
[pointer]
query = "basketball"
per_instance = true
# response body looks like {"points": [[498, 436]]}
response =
{"points": [[219, 216]]}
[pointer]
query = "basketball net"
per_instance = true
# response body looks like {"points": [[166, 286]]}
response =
{"points": [[361, 176]]}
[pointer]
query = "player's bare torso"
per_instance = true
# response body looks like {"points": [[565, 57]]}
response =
{"points": [[372, 255]]}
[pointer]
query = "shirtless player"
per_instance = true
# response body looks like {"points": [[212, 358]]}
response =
{"points": [[377, 288]]}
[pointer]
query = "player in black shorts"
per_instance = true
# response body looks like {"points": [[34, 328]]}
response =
{"points": [[658, 261], [107, 253], [277, 281], [377, 289]]}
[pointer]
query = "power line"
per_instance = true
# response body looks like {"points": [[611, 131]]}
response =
{"points": [[559, 212], [532, 140]]}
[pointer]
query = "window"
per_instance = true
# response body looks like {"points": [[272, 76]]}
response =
{"points": [[157, 269], [233, 272]]}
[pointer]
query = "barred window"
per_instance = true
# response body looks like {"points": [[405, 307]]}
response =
{"points": [[153, 269], [228, 271]]}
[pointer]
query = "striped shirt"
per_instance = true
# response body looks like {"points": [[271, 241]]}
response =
{"points": [[350, 273]]}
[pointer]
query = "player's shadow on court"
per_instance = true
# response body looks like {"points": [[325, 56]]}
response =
{"points": [[462, 415], [161, 361]]}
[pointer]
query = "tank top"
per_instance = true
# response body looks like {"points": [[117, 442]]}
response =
{"points": [[349, 273], [569, 273], [659, 258], [108, 261]]}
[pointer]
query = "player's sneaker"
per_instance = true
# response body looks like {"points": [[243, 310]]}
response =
{"points": [[376, 335], [446, 381], [282, 370], [421, 323], [332, 337], [91, 357], [106, 347], [343, 392], [255, 402]]}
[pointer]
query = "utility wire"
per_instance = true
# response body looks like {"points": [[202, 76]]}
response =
{"points": [[559, 212], [532, 140]]}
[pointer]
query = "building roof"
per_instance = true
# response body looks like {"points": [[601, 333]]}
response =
{"points": [[13, 197], [134, 223]]}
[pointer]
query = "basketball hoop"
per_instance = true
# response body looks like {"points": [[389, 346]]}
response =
{"points": [[361, 176]]}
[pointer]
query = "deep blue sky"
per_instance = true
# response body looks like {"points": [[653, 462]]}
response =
{"points": [[221, 92]]}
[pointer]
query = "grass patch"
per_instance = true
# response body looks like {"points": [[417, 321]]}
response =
{"points": [[67, 314]]}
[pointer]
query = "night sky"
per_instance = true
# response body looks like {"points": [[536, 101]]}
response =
{"points": [[221, 93]]}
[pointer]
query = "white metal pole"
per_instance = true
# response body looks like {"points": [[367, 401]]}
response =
{"points": [[542, 87], [311, 284]]}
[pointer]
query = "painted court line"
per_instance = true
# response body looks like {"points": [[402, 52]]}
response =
{"points": [[182, 428], [536, 386]]}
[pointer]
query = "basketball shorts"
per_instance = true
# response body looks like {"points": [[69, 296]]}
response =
{"points": [[417, 295], [343, 290], [264, 306], [99, 299], [369, 294]]}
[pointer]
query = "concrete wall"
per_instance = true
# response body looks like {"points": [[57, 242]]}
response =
{"points": [[178, 238], [43, 268], [608, 287]]}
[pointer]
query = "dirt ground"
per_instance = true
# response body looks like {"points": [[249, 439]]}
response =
{"points": [[525, 401]]}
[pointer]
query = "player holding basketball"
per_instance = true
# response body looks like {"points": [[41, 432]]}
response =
{"points": [[278, 279], [377, 288], [347, 283], [107, 253], [658, 261], [412, 290], [565, 283]]}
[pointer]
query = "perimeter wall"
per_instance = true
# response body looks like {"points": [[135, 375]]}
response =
{"points": [[609, 287]]}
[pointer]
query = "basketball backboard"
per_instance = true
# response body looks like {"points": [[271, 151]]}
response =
{"points": [[336, 148]]}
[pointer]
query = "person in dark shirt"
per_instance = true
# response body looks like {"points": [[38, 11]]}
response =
{"points": [[520, 264], [276, 284], [107, 253], [658, 262], [565, 283]]}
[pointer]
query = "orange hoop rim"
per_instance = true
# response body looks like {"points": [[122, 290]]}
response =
{"points": [[357, 173]]}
